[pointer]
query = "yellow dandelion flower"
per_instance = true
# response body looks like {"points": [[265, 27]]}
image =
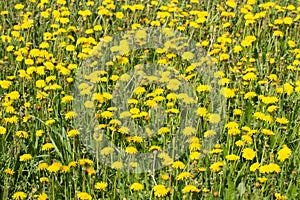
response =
{"points": [[291, 43], [83, 196], [254, 166], [282, 120], [107, 114], [284, 153], [73, 133], [165, 177], [131, 150], [47, 147], [288, 88], [14, 95], [262, 179], [189, 131], [190, 188], [54, 167], [272, 108], [232, 157], [85, 161], [237, 112], [188, 55], [184, 175], [239, 143], [19, 6], [4, 84], [194, 155], [173, 84], [237, 49], [124, 130], [89, 170], [249, 95], [164, 130], [203, 88], [217, 166], [231, 3], [25, 157], [249, 76], [214, 118], [137, 187], [50, 121], [19, 195], [117, 165], [106, 151], [9, 171], [98, 28], [42, 166], [227, 92], [269, 168], [101, 186], [248, 154], [72, 164], [267, 132], [202, 112], [39, 133], [288, 20], [195, 146], [44, 180], [178, 165], [231, 125], [42, 196], [2, 130], [209, 133], [278, 196], [160, 190], [278, 33], [216, 151], [154, 148], [70, 115]]}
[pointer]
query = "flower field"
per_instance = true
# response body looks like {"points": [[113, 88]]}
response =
{"points": [[145, 99]]}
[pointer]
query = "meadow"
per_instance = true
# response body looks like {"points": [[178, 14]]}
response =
{"points": [[145, 99]]}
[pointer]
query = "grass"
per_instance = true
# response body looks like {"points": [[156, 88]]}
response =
{"points": [[98, 101]]}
